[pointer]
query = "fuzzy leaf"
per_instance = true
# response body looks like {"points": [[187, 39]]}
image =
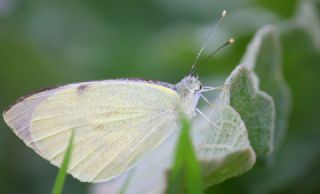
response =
{"points": [[263, 57], [255, 107], [223, 149]]}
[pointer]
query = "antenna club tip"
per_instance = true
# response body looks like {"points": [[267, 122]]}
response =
{"points": [[224, 13], [231, 41]]}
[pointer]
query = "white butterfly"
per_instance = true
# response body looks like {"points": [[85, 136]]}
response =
{"points": [[116, 123]]}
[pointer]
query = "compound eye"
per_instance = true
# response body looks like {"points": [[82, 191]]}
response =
{"points": [[201, 87]]}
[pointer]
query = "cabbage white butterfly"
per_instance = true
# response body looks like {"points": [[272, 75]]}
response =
{"points": [[116, 123]]}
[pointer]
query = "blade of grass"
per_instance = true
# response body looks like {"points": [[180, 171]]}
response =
{"points": [[60, 179], [185, 176], [125, 186]]}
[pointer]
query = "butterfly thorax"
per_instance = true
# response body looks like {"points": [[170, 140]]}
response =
{"points": [[189, 89]]}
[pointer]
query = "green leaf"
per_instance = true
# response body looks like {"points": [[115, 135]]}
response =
{"points": [[255, 107], [263, 59], [185, 177], [60, 179], [223, 149]]}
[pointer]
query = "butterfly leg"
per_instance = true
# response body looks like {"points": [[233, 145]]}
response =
{"points": [[207, 101], [208, 88], [210, 122]]}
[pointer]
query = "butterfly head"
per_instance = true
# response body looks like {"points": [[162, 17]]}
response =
{"points": [[189, 90], [193, 83]]}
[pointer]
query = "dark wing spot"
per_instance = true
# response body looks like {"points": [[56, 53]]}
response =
{"points": [[82, 88]]}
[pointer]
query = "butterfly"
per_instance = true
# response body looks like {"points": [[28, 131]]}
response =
{"points": [[116, 123]]}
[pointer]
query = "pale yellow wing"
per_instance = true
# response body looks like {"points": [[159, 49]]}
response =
{"points": [[116, 123]]}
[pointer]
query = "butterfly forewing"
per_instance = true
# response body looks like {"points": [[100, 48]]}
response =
{"points": [[116, 124]]}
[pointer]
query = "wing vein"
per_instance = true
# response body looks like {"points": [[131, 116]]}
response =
{"points": [[150, 132], [84, 124]]}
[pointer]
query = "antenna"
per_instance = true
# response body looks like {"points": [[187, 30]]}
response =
{"points": [[223, 14], [230, 41]]}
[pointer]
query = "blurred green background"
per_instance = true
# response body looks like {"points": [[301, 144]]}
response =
{"points": [[47, 43]]}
